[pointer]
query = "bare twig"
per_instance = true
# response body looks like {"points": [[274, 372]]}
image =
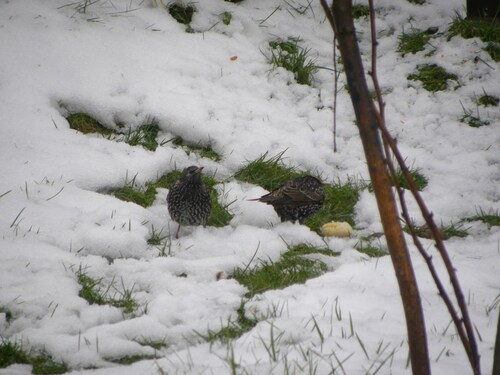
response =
{"points": [[464, 325], [335, 93]]}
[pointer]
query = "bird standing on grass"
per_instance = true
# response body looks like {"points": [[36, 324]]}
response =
{"points": [[189, 200], [296, 199]]}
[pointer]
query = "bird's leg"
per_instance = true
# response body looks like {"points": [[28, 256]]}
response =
{"points": [[177, 233]]}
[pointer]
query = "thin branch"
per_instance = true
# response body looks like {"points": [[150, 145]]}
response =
{"points": [[329, 15], [335, 93], [466, 336]]}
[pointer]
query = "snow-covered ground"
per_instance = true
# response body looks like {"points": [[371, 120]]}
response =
{"points": [[125, 61]]}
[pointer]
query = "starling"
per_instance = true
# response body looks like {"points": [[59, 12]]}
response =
{"points": [[189, 200], [296, 199]]}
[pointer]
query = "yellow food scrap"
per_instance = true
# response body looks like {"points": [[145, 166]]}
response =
{"points": [[336, 229]]}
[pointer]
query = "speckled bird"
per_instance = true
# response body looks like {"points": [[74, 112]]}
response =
{"points": [[296, 199], [189, 200]]}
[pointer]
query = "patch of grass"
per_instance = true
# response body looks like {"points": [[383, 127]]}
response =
{"points": [[417, 2], [45, 364], [91, 289], [219, 216], [12, 353], [474, 121], [145, 197], [129, 359], [413, 42], [155, 344], [86, 124], [182, 14], [493, 48], [203, 151], [307, 250], [487, 100], [290, 56], [359, 11], [340, 200], [366, 247], [417, 175], [454, 230], [491, 218], [135, 194], [447, 231], [94, 292], [433, 77], [487, 31], [145, 136], [226, 18], [156, 238], [292, 268], [8, 314], [233, 329], [268, 173]]}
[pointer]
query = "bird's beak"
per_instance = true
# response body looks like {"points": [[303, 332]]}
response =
{"points": [[199, 170]]}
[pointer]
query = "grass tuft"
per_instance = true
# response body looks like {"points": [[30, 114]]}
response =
{"points": [[45, 364], [226, 18], [86, 124], [488, 100], [8, 314], [135, 194], [472, 120], [153, 343], [493, 48], [433, 77], [454, 230], [487, 31], [12, 353], [268, 173], [219, 216], [145, 136], [233, 329], [182, 13], [129, 359], [372, 251], [307, 250], [359, 11], [413, 42], [491, 218], [93, 292], [290, 56], [156, 238], [292, 268], [203, 151], [418, 177], [448, 231]]}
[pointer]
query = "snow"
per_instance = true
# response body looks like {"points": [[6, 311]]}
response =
{"points": [[127, 61]]}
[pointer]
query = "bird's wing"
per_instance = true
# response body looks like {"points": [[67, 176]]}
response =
{"points": [[293, 194]]}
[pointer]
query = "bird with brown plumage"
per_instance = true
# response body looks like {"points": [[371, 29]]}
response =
{"points": [[296, 199]]}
